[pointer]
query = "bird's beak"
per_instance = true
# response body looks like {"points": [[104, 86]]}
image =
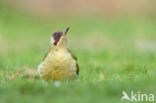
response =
{"points": [[65, 33], [63, 40], [66, 30]]}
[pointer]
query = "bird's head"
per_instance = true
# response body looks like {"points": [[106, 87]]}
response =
{"points": [[59, 38]]}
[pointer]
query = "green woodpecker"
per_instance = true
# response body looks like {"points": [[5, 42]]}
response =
{"points": [[59, 63]]}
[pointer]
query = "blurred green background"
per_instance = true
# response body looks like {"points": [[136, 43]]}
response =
{"points": [[114, 40]]}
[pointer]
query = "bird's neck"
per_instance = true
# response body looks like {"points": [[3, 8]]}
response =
{"points": [[58, 48]]}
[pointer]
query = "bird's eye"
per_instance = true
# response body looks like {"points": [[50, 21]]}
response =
{"points": [[56, 37]]}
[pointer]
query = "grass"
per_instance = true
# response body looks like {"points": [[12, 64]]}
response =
{"points": [[110, 55]]}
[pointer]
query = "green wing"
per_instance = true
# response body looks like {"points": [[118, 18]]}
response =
{"points": [[74, 57], [46, 55]]}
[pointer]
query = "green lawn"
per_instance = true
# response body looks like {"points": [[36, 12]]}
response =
{"points": [[114, 54]]}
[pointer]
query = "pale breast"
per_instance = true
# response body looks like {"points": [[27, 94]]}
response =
{"points": [[58, 65]]}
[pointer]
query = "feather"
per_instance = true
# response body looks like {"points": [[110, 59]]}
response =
{"points": [[75, 58]]}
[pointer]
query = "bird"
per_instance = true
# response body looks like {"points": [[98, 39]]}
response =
{"points": [[59, 63]]}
